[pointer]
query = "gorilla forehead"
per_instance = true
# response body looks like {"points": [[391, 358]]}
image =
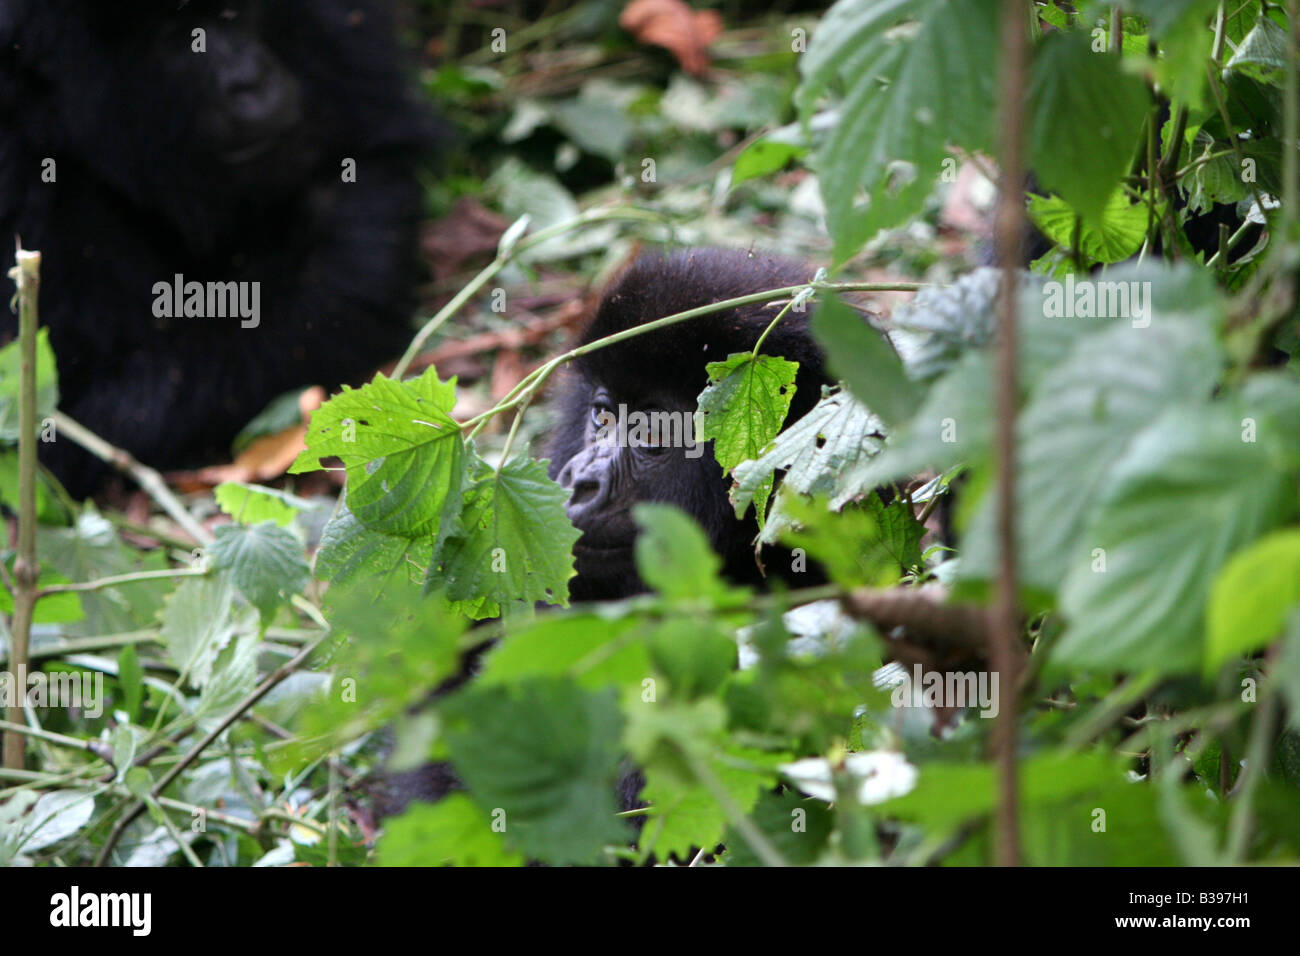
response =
{"points": [[657, 286]]}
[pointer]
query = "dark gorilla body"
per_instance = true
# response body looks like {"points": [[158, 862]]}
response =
{"points": [[218, 166], [665, 371]]}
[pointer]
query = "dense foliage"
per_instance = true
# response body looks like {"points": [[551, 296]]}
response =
{"points": [[1157, 515]]}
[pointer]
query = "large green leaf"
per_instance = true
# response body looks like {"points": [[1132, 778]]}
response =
{"points": [[1084, 117], [918, 75], [815, 452], [452, 831], [866, 362], [266, 562], [1078, 425], [1252, 598], [404, 454], [1188, 492], [744, 405], [674, 557], [47, 384], [352, 553], [542, 756], [513, 541]]}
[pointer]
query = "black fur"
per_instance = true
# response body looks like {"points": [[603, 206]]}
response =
{"points": [[220, 166], [666, 370]]}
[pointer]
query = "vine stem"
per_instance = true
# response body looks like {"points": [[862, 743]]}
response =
{"points": [[530, 383], [1005, 617], [146, 477], [27, 276], [505, 255]]}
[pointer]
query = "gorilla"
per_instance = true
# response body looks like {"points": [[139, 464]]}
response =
{"points": [[225, 196], [656, 372], [664, 371]]}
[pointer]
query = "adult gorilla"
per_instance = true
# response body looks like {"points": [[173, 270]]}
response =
{"points": [[272, 145], [664, 371]]}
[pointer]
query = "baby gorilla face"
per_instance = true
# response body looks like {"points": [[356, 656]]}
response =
{"points": [[626, 432], [631, 452]]}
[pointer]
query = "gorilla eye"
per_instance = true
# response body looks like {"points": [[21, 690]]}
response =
{"points": [[601, 414]]}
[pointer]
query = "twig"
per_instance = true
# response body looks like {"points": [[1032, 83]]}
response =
{"points": [[271, 680], [504, 257], [117, 579], [143, 475], [94, 747], [27, 276], [953, 627], [1005, 618], [530, 383]]}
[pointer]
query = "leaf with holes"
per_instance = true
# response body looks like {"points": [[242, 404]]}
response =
{"points": [[404, 455]]}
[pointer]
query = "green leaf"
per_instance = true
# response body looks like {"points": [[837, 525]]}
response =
{"points": [[1117, 823], [404, 455], [283, 412], [949, 795], [399, 645], [848, 545], [694, 655], [1288, 671], [1185, 48], [817, 453], [56, 816], [58, 608], [764, 156], [92, 549], [744, 405], [452, 831], [949, 321], [868, 364], [919, 75], [352, 553], [253, 504], [513, 541], [1084, 116], [542, 756], [674, 557], [798, 828], [131, 676], [1187, 493], [595, 121], [49, 510], [1165, 15], [266, 563], [1079, 424], [593, 651], [196, 624], [1114, 237], [1252, 597], [686, 817], [954, 424], [234, 675], [47, 384], [1262, 55]]}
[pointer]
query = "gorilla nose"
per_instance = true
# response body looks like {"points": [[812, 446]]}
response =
{"points": [[584, 492], [259, 93], [587, 479]]}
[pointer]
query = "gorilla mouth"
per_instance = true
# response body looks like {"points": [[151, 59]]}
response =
{"points": [[601, 549]]}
